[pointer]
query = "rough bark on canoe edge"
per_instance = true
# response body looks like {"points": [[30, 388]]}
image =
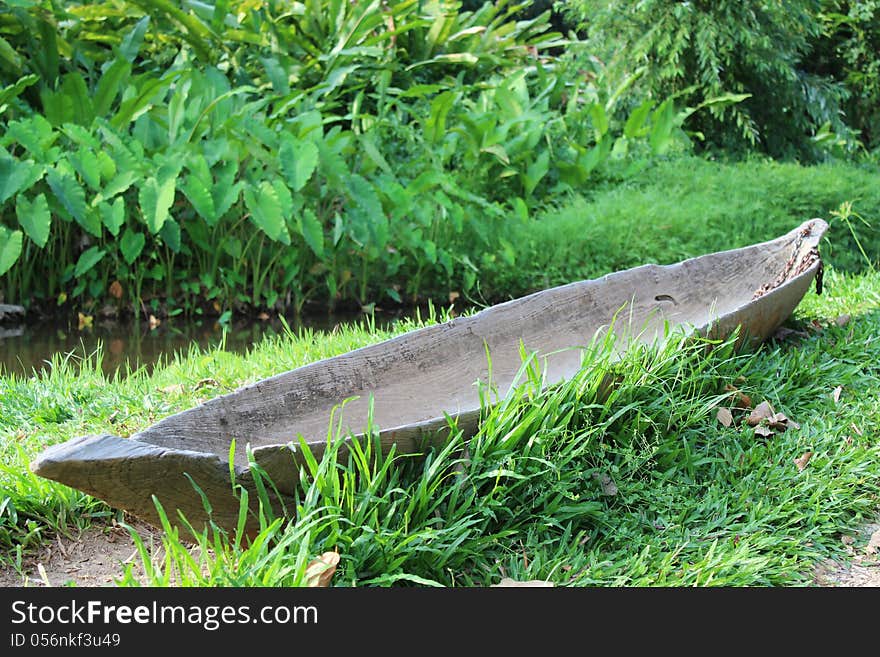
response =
{"points": [[127, 472]]}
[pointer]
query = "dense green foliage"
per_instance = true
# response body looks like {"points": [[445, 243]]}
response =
{"points": [[381, 162], [849, 51], [809, 66], [693, 502]]}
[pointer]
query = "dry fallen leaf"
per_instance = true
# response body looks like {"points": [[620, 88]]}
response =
{"points": [[801, 462], [873, 545], [263, 317], [842, 320], [724, 417], [847, 540], [154, 322], [116, 290], [320, 571], [84, 321], [781, 422], [835, 395], [174, 389], [762, 430], [763, 411], [742, 400], [507, 582]]}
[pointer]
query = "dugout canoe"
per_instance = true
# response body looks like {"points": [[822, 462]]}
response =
{"points": [[418, 379]]}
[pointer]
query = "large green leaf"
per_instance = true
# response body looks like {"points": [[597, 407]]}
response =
{"points": [[113, 216], [16, 176], [600, 120], [119, 184], [13, 90], [86, 164], [131, 245], [663, 120], [298, 159], [131, 108], [34, 217], [266, 212], [634, 126], [435, 126], [170, 234], [69, 193], [110, 85], [131, 43], [10, 248], [155, 199], [89, 258], [74, 88], [200, 197], [312, 231]]}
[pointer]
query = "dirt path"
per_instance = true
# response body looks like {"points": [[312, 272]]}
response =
{"points": [[98, 558], [863, 566]]}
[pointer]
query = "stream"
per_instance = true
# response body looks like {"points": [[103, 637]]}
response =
{"points": [[26, 348]]}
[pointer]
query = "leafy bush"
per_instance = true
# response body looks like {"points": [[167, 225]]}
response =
{"points": [[696, 50], [849, 50], [178, 190]]}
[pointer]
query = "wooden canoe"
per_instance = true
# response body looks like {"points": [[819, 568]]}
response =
{"points": [[419, 378]]}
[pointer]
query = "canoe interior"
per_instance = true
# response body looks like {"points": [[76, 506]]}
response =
{"points": [[417, 378], [414, 377]]}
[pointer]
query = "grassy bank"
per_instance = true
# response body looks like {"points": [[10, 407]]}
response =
{"points": [[692, 502], [685, 207]]}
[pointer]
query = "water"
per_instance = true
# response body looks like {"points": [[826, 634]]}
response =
{"points": [[28, 347]]}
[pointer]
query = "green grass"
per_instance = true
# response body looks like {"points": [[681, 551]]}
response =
{"points": [[695, 504], [685, 207]]}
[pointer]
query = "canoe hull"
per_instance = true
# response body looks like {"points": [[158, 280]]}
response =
{"points": [[406, 387]]}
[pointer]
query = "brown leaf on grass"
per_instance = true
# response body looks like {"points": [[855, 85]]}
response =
{"points": [[873, 546], [847, 540], [835, 394], [763, 411], [802, 461], [116, 290], [763, 430], [508, 582], [607, 483], [741, 400], [320, 571], [724, 416], [781, 422], [842, 320], [174, 389]]}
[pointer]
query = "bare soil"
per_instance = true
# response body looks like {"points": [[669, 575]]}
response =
{"points": [[862, 568], [98, 557]]}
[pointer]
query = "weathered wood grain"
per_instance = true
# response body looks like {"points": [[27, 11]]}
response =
{"points": [[407, 385]]}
